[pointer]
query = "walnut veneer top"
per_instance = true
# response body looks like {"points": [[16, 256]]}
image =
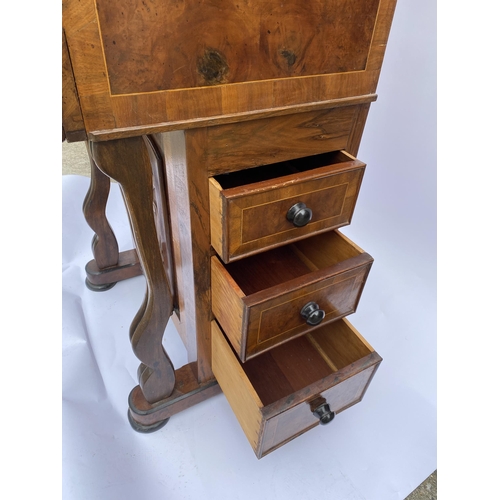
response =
{"points": [[152, 66]]}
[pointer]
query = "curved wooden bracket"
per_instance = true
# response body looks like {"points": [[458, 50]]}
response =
{"points": [[109, 264], [129, 163], [104, 244]]}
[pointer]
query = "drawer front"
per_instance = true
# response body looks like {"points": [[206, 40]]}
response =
{"points": [[279, 319], [299, 419], [254, 217], [273, 397], [258, 321]]}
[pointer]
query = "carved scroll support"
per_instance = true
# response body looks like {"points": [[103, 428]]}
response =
{"points": [[127, 161], [137, 166], [108, 265]]}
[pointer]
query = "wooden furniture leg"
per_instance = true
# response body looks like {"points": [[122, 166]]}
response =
{"points": [[162, 391], [109, 265]]}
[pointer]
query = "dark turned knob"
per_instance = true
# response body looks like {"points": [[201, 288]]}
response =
{"points": [[299, 214], [312, 314], [324, 413]]}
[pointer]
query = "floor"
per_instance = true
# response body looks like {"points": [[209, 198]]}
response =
{"points": [[427, 490], [75, 161]]}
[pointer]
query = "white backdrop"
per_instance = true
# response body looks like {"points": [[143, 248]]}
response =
{"points": [[380, 449]]}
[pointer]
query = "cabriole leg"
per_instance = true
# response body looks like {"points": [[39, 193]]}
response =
{"points": [[136, 165], [127, 162], [108, 265]]}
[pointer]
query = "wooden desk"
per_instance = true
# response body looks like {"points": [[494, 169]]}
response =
{"points": [[232, 128]]}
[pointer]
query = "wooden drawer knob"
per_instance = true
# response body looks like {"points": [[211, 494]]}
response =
{"points": [[324, 413], [299, 214], [312, 313]]}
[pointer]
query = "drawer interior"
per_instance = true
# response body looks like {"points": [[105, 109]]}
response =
{"points": [[303, 361], [271, 268], [281, 169]]}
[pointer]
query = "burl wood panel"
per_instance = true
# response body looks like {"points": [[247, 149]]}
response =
{"points": [[124, 46], [195, 43], [271, 394], [258, 300], [249, 218]]}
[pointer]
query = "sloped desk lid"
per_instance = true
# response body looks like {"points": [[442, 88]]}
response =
{"points": [[145, 66]]}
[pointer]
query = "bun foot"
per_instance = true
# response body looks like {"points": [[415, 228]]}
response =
{"points": [[100, 280], [145, 429], [99, 288]]}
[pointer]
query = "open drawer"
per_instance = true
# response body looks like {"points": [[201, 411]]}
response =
{"points": [[270, 298], [260, 208], [294, 387]]}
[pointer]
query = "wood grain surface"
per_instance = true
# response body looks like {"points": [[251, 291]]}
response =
{"points": [[227, 148], [250, 215], [258, 300], [147, 67], [235, 385], [129, 163], [187, 185], [230, 42], [271, 395], [72, 119]]}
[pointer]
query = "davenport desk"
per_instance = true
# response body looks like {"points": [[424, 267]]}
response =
{"points": [[232, 128]]}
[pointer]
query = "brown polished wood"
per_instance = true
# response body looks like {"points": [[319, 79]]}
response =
{"points": [[109, 264], [233, 129], [271, 394], [231, 118], [129, 82], [357, 130], [101, 279], [72, 119], [226, 148], [127, 161], [249, 208], [279, 42], [258, 300], [104, 244], [188, 195], [161, 214], [187, 392]]}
